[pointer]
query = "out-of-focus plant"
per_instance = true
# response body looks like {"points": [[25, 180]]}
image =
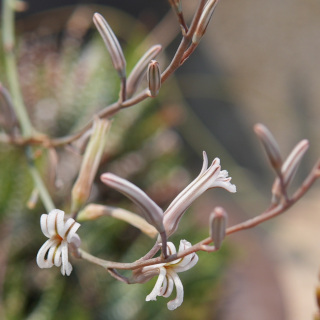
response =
{"points": [[32, 138]]}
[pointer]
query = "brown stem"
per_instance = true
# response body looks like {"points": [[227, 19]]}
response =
{"points": [[266, 215]]}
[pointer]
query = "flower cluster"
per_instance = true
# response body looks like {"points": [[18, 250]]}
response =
{"points": [[212, 177], [168, 276], [60, 233]]}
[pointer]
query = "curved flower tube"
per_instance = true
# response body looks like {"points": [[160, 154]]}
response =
{"points": [[168, 277], [212, 177], [167, 223], [60, 233]]}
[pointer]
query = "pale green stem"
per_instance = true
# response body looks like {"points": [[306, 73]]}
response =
{"points": [[17, 99], [43, 191], [11, 67]]}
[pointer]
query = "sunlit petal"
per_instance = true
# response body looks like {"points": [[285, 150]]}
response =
{"points": [[44, 225], [174, 304], [156, 290]]}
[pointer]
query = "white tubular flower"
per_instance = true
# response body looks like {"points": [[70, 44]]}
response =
{"points": [[212, 177], [60, 233], [168, 276]]}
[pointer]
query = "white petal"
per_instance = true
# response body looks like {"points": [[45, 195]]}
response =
{"points": [[42, 262], [163, 288], [225, 184], [72, 231], [171, 249], [60, 223], [57, 257], [156, 290], [184, 244], [169, 287], [51, 222], [191, 263], [66, 266], [174, 304], [44, 225]]}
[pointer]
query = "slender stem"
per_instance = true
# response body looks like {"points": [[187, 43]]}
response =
{"points": [[202, 245], [17, 99], [44, 194], [11, 67]]}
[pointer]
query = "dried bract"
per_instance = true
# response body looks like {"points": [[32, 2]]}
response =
{"points": [[91, 160]]}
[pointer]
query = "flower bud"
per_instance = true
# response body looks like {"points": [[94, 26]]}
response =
{"points": [[204, 20], [270, 145], [289, 169], [218, 224], [95, 211], [139, 70], [150, 210], [154, 78], [111, 43], [90, 163], [176, 5]]}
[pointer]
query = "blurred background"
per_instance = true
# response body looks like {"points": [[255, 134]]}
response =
{"points": [[256, 63]]}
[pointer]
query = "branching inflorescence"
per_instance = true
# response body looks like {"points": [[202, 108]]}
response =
{"points": [[151, 219]]}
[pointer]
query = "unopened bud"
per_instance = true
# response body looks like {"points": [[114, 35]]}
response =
{"points": [[270, 145], [149, 209], [139, 70], [289, 169], [95, 211], [218, 224], [204, 20], [154, 78], [111, 43], [90, 163], [176, 5]]}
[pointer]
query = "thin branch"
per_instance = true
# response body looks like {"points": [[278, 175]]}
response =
{"points": [[202, 245]]}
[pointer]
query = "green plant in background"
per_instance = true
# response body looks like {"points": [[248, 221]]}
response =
{"points": [[53, 116]]}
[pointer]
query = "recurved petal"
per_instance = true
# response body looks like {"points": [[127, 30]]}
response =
{"points": [[51, 222], [44, 225], [167, 290], [42, 261], [191, 262], [60, 222], [57, 257], [156, 290], [174, 304], [66, 267], [72, 231], [223, 181]]}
